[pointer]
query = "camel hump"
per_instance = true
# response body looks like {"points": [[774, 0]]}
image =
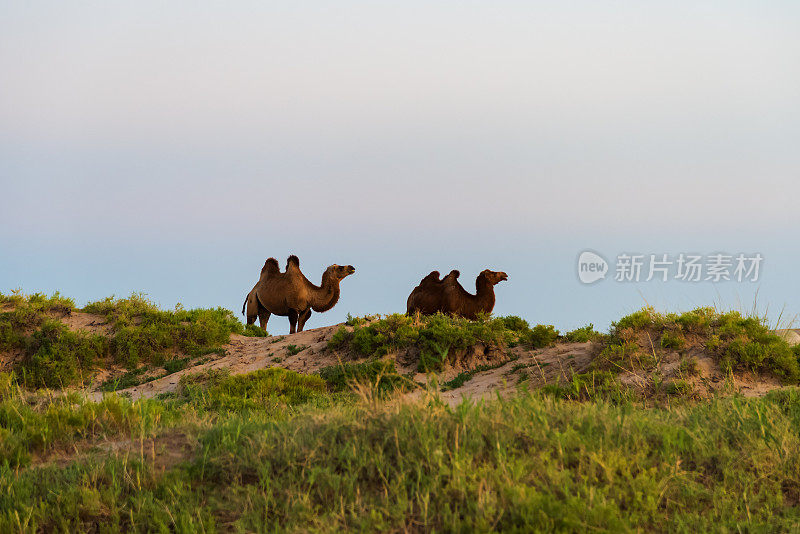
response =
{"points": [[292, 260], [270, 266], [455, 273], [433, 276]]}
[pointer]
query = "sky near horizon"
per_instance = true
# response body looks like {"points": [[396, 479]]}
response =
{"points": [[171, 147]]}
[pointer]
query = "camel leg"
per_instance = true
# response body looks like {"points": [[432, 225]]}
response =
{"points": [[293, 321], [263, 317], [301, 320], [251, 317]]}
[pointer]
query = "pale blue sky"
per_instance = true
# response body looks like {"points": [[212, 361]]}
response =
{"points": [[170, 147]]}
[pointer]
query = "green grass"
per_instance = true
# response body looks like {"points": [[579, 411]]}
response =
{"points": [[595, 385], [275, 451], [31, 424], [379, 375], [265, 390]]}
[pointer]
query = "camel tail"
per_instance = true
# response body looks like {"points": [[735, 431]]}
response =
{"points": [[245, 304]]}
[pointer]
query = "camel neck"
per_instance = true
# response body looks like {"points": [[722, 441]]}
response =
{"points": [[326, 296], [484, 292]]}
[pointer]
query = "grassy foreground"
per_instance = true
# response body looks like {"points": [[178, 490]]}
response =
{"points": [[278, 451], [275, 450]]}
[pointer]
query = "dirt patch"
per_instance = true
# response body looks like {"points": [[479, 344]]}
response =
{"points": [[538, 367], [10, 358], [304, 352], [88, 322]]}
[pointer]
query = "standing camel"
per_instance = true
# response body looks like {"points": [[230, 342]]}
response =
{"points": [[290, 294]]}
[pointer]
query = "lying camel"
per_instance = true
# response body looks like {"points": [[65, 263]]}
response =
{"points": [[427, 297], [447, 296], [291, 294], [457, 301]]}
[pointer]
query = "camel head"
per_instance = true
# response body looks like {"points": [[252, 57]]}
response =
{"points": [[494, 277], [339, 272]]}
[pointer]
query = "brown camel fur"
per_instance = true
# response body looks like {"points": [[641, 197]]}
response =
{"points": [[457, 301], [254, 310], [427, 298], [291, 294]]}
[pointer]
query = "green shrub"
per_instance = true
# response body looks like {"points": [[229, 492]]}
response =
{"points": [[539, 336], [357, 321], [514, 323], [679, 388], [379, 374], [141, 331], [437, 337], [689, 367], [29, 312], [672, 340], [252, 330], [340, 338], [583, 334], [39, 302], [644, 318], [57, 357], [713, 342], [697, 321], [127, 380], [740, 343], [294, 349], [768, 352]]}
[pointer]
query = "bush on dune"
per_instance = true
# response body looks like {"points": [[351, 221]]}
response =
{"points": [[438, 337], [738, 342], [54, 356]]}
